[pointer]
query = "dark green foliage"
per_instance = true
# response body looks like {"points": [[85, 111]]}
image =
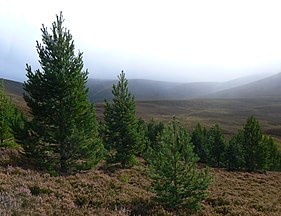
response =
{"points": [[235, 153], [144, 142], [154, 129], [62, 135], [6, 114], [121, 135], [271, 155], [10, 118], [251, 150], [199, 138], [209, 145], [252, 144], [216, 143], [177, 182]]}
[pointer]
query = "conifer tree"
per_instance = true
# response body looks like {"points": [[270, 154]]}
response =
{"points": [[62, 135], [252, 150], [252, 144], [235, 153], [217, 146], [199, 138], [6, 115], [177, 182], [11, 119], [154, 129], [121, 135], [272, 154]]}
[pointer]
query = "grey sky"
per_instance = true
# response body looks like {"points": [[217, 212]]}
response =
{"points": [[171, 40]]}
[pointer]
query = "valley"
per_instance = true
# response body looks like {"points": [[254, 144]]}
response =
{"points": [[230, 114]]}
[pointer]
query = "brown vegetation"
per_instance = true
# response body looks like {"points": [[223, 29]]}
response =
{"points": [[113, 191], [126, 192], [230, 114]]}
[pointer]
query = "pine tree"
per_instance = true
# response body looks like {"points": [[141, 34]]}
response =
{"points": [[11, 119], [270, 154], [217, 146], [177, 182], [6, 115], [252, 150], [143, 140], [121, 135], [235, 153], [199, 138], [154, 129], [252, 144], [62, 135]]}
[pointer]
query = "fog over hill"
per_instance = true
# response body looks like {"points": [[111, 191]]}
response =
{"points": [[158, 90], [267, 87], [245, 87]]}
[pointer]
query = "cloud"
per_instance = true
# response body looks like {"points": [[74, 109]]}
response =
{"points": [[166, 40]]}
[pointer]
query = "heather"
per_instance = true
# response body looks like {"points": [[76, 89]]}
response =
{"points": [[115, 191]]}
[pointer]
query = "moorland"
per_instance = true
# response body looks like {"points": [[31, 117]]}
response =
{"points": [[126, 191]]}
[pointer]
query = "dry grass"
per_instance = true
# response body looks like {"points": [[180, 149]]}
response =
{"points": [[115, 191]]}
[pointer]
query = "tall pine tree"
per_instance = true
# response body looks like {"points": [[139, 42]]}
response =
{"points": [[121, 135], [62, 135]]}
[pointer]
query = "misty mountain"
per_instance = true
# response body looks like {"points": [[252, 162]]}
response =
{"points": [[159, 90], [266, 87], [246, 87], [154, 90]]}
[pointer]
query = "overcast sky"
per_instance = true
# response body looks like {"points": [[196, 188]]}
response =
{"points": [[211, 40]]}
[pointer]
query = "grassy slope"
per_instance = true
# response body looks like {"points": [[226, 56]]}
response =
{"points": [[125, 192]]}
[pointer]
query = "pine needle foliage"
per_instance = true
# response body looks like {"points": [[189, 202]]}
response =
{"points": [[199, 138], [62, 135], [177, 182], [10, 118], [5, 115], [217, 146], [121, 136], [252, 150]]}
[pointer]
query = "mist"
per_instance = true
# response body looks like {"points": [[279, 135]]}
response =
{"points": [[178, 41]]}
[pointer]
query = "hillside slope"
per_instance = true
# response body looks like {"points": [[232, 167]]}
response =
{"points": [[147, 90], [267, 87], [150, 90], [13, 87]]}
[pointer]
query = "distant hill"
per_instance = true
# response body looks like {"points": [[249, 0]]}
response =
{"points": [[13, 87], [159, 90], [267, 87], [148, 90], [153, 90]]}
